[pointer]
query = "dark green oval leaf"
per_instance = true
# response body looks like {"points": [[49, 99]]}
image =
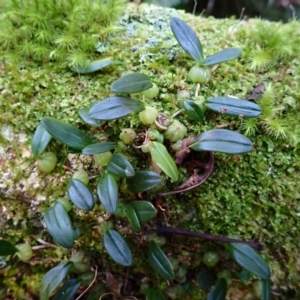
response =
{"points": [[93, 66], [59, 225], [7, 248], [159, 262], [66, 133], [163, 159], [115, 107], [187, 38], [132, 218], [153, 294], [144, 210], [107, 190], [99, 148], [219, 290], [224, 55], [143, 181], [233, 107], [120, 166], [247, 258], [117, 248], [84, 115], [131, 83], [53, 278], [205, 279], [221, 140], [68, 290], [193, 110], [80, 195], [40, 140], [266, 289]]}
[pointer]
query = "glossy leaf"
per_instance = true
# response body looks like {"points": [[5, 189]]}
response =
{"points": [[107, 190], [68, 290], [219, 290], [163, 159], [59, 225], [40, 140], [117, 248], [153, 294], [144, 210], [66, 133], [132, 218], [7, 248], [142, 181], [53, 278], [84, 115], [93, 66], [159, 262], [224, 55], [131, 83], [115, 107], [187, 38], [266, 292], [247, 258], [234, 107], [99, 148], [193, 110], [80, 195], [221, 140], [120, 166]]}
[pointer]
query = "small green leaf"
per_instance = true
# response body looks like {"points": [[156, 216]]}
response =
{"points": [[144, 210], [163, 159], [7, 248], [107, 190], [80, 195], [40, 140], [153, 294], [132, 218], [193, 110], [59, 225], [221, 56], [93, 66], [53, 278], [84, 115], [131, 83], [120, 166], [187, 38], [205, 279], [221, 140], [117, 248], [247, 258], [99, 148], [219, 290], [266, 289], [143, 181], [66, 133], [159, 262], [233, 107], [68, 290], [115, 107]]}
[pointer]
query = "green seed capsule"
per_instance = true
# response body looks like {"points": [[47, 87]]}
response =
{"points": [[211, 258], [102, 159], [81, 262], [81, 175], [199, 74], [176, 131], [47, 162], [226, 274], [24, 251], [148, 115], [66, 203], [127, 136], [152, 92], [159, 240]]}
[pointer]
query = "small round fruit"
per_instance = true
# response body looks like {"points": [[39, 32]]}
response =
{"points": [[152, 92], [183, 94], [86, 278], [177, 146], [226, 274], [47, 162], [199, 74], [148, 115], [102, 159], [81, 262], [256, 288], [176, 131], [145, 148], [159, 240], [174, 262], [66, 203], [24, 251], [81, 175], [210, 258], [127, 136]]}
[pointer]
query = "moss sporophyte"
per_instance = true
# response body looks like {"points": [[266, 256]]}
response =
{"points": [[135, 160]]}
